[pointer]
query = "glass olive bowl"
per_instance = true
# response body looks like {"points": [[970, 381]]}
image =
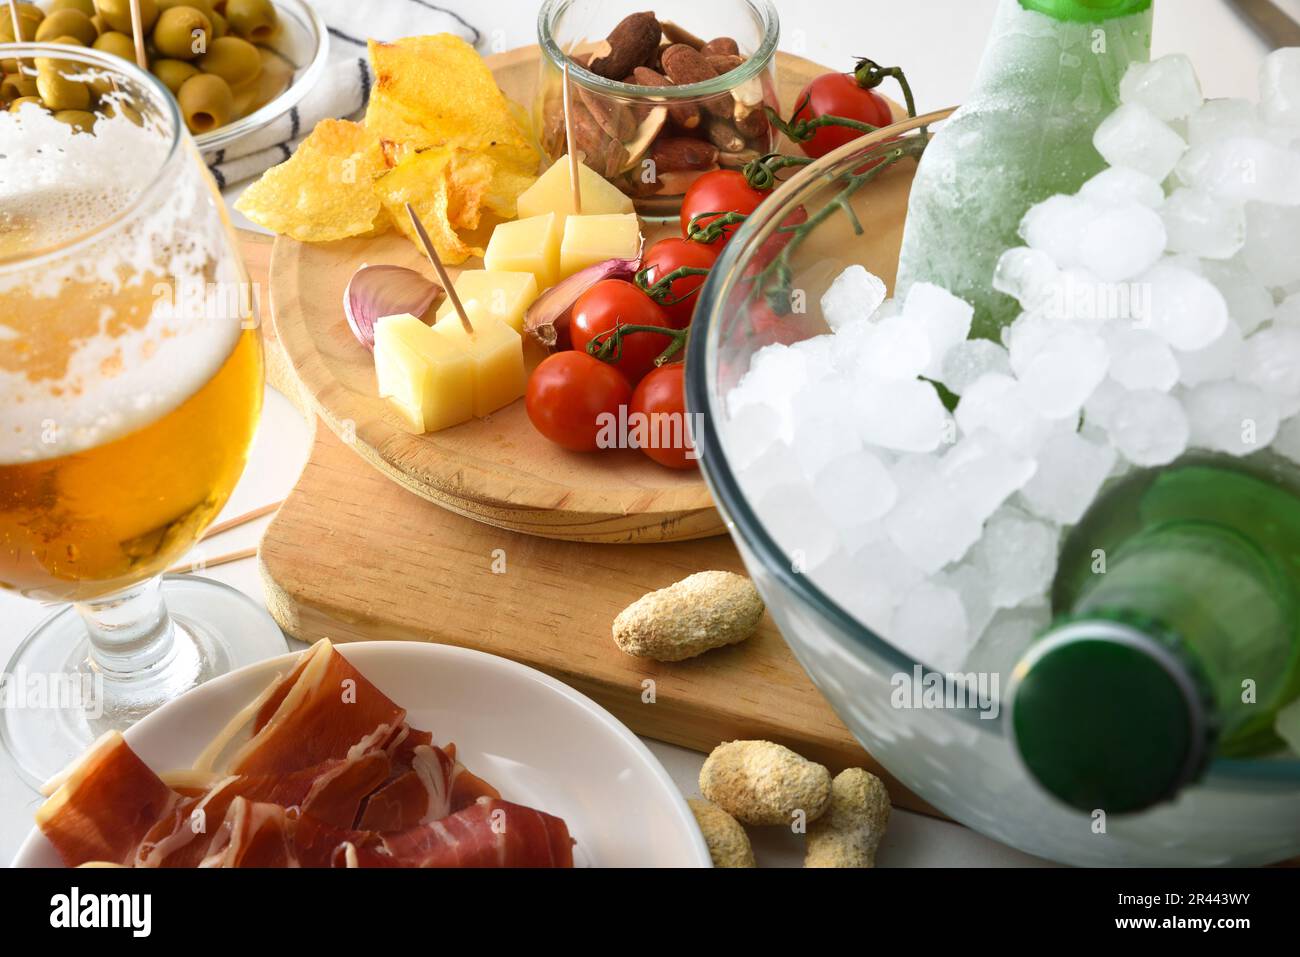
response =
{"points": [[960, 760]]}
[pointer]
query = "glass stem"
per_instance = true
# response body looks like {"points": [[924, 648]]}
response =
{"points": [[131, 633]]}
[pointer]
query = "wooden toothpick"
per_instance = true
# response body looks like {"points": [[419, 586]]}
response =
{"points": [[137, 34], [18, 23], [573, 151], [439, 269]]}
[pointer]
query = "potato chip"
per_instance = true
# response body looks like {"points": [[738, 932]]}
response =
{"points": [[425, 181], [437, 91], [325, 191]]}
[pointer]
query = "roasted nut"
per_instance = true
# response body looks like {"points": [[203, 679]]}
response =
{"points": [[685, 116], [758, 782], [630, 44], [724, 63], [728, 843], [676, 153], [723, 134], [614, 118], [751, 122], [704, 611], [737, 160], [849, 833], [675, 34], [725, 46], [677, 183]]}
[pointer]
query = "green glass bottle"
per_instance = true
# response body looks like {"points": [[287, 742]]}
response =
{"points": [[1049, 75], [1177, 637]]}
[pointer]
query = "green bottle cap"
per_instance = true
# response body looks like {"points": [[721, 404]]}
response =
{"points": [[1087, 11], [1110, 715]]}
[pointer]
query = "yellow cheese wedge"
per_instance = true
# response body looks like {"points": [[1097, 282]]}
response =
{"points": [[430, 378], [553, 193], [496, 353], [592, 239], [505, 295], [527, 245]]}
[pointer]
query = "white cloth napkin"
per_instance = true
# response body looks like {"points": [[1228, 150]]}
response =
{"points": [[344, 89]]}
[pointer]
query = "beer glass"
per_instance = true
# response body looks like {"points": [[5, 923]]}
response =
{"points": [[130, 389]]}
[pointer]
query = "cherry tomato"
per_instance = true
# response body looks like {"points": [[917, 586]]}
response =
{"points": [[612, 303], [659, 413], [567, 396], [838, 94], [776, 242], [722, 191], [666, 257]]}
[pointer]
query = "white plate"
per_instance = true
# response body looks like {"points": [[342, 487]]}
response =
{"points": [[538, 741]]}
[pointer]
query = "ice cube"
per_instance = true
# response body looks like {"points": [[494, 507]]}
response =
{"points": [[930, 625], [749, 433], [1231, 417], [1288, 310], [1219, 120], [1272, 239], [842, 577], [855, 489], [1027, 275], [1135, 138], [1167, 87], [1101, 405], [1287, 442], [1250, 304], [1140, 359], [904, 415], [1243, 169], [805, 533], [968, 361], [853, 296], [945, 318], [1120, 186], [774, 468], [1187, 311], [1201, 225], [1279, 87], [896, 349], [815, 442], [1029, 335], [1270, 360], [1018, 555], [1121, 241], [998, 404], [1216, 361], [1063, 374], [1056, 227], [982, 472], [1148, 428], [1071, 470], [1006, 638]]}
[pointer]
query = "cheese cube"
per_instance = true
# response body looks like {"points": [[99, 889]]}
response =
{"points": [[505, 295], [592, 239], [527, 245], [428, 377], [496, 353], [553, 193]]}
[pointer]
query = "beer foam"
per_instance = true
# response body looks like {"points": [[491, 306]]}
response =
{"points": [[117, 331]]}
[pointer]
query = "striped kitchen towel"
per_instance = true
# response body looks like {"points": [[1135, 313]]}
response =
{"points": [[345, 88]]}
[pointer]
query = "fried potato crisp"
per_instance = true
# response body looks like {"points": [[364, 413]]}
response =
{"points": [[325, 191]]}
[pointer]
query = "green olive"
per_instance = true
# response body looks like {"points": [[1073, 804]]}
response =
{"points": [[17, 104], [220, 27], [29, 18], [173, 73], [234, 60], [60, 93], [118, 44], [203, 6], [254, 20], [182, 33], [81, 120], [17, 85], [67, 41], [206, 102], [67, 23], [118, 14], [101, 25], [85, 6]]}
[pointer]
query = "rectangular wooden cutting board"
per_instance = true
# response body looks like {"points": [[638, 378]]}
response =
{"points": [[353, 556]]}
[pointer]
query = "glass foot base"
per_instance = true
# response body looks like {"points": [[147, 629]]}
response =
{"points": [[56, 702]]}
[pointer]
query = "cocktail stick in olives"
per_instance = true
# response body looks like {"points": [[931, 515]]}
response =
{"points": [[67, 23], [206, 102], [182, 33], [234, 60], [118, 14], [254, 20]]}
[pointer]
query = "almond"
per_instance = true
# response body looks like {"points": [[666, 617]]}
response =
{"points": [[725, 46], [723, 134], [676, 153], [685, 65], [631, 43], [685, 116], [724, 63], [677, 34]]}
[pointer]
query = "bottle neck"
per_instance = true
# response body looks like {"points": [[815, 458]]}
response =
{"points": [[1086, 11]]}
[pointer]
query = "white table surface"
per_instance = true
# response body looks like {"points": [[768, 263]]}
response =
{"points": [[939, 43]]}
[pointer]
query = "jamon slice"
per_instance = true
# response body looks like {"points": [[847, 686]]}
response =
{"points": [[428, 783], [321, 711], [104, 805], [488, 833]]}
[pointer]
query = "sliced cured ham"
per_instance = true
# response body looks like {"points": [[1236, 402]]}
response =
{"points": [[330, 775]]}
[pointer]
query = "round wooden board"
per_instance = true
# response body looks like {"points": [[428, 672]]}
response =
{"points": [[497, 470]]}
